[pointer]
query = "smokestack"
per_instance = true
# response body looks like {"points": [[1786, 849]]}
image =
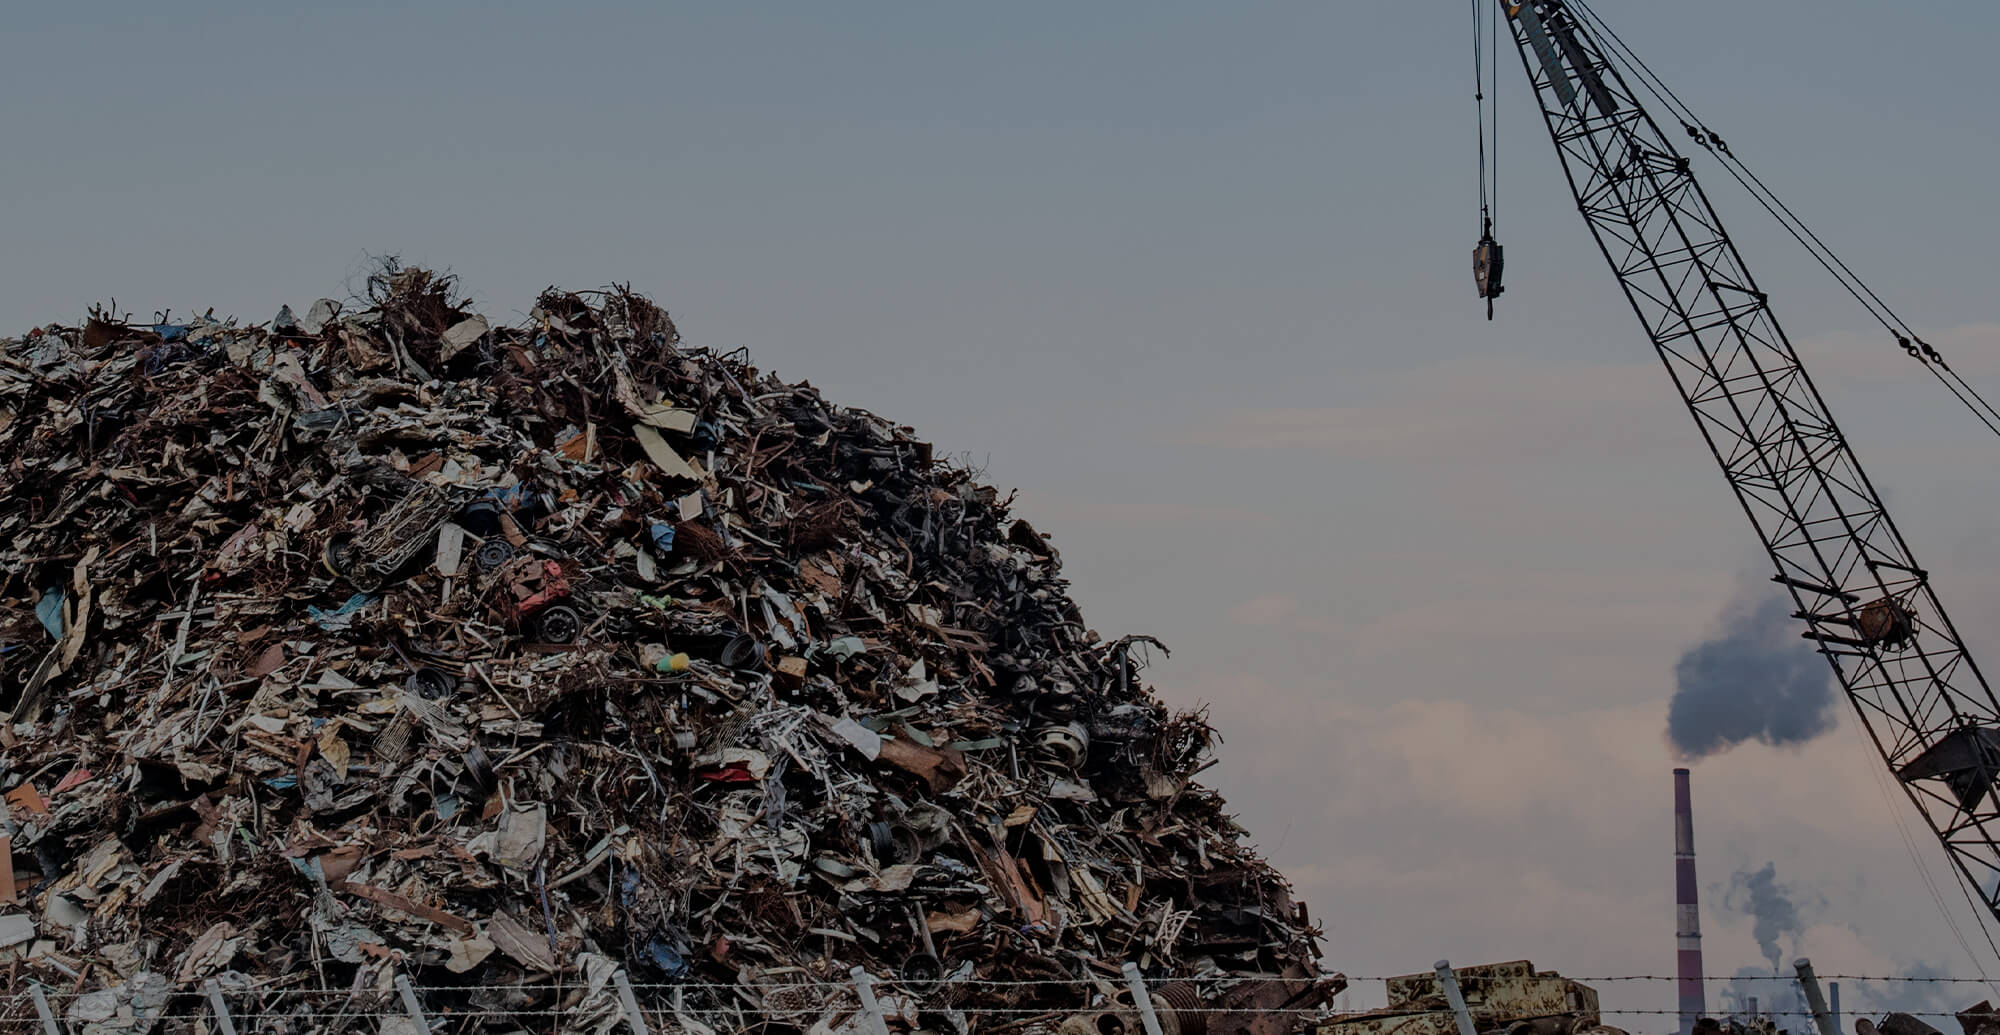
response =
{"points": [[1687, 929]]}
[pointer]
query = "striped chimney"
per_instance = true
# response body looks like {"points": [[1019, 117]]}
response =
{"points": [[1687, 929]]}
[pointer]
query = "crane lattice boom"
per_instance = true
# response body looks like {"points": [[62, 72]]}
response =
{"points": [[1865, 601]]}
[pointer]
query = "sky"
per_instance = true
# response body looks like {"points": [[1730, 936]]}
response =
{"points": [[1195, 279]]}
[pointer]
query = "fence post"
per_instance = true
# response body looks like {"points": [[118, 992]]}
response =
{"points": [[220, 1008], [1140, 999], [49, 1025], [411, 1006], [1449, 982], [629, 1003], [1822, 1018], [865, 987]]}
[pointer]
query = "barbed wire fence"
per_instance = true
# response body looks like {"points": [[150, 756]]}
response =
{"points": [[612, 1004]]}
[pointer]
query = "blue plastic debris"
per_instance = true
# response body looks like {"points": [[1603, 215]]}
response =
{"points": [[663, 537], [706, 434], [667, 949], [310, 868], [340, 617], [50, 612], [664, 957]]}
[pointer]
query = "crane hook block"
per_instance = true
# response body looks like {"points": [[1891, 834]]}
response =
{"points": [[1488, 262]]}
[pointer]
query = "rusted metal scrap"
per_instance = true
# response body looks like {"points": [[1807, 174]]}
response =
{"points": [[388, 637], [1511, 997]]}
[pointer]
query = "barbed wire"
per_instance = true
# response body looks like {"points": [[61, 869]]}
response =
{"points": [[443, 1013], [253, 1005], [1789, 978], [1116, 981], [1024, 1011]]}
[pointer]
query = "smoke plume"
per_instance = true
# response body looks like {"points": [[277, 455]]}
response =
{"points": [[1776, 995], [1755, 681], [1777, 916], [1931, 993], [1749, 983]]}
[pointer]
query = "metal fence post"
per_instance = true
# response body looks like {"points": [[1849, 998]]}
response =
{"points": [[49, 1025], [864, 986], [1449, 982], [219, 1007], [1140, 999], [1814, 1000], [411, 1006], [629, 1003]]}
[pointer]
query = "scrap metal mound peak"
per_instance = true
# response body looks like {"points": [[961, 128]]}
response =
{"points": [[382, 640]]}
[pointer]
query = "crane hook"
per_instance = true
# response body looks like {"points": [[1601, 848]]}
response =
{"points": [[1488, 262]]}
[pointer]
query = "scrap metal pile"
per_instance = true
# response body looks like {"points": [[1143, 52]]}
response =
{"points": [[381, 640], [1511, 998]]}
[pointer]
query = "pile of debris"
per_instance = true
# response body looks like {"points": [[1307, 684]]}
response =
{"points": [[1510, 998], [383, 640], [1974, 1020]]}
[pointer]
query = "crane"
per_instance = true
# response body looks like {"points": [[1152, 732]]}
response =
{"points": [[1865, 602]]}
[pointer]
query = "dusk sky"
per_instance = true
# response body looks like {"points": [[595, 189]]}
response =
{"points": [[1196, 279]]}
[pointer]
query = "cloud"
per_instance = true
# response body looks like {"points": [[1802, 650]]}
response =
{"points": [[1488, 410], [1443, 697], [1473, 410], [1269, 609], [1052, 512], [1478, 828], [1484, 630]]}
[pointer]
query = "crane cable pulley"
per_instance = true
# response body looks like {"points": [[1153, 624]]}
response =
{"points": [[1900, 331], [1488, 259]]}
